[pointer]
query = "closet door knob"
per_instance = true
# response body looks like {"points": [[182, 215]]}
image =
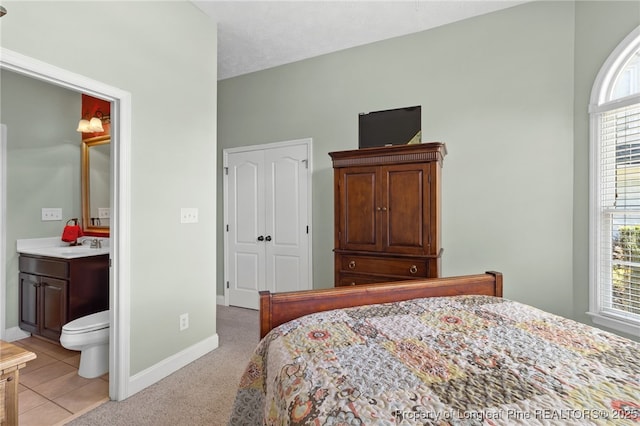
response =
{"points": [[268, 238], [260, 238]]}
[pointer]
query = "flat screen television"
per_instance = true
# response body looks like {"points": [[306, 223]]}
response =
{"points": [[389, 127]]}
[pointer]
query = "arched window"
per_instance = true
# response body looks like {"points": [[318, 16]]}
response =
{"points": [[614, 299]]}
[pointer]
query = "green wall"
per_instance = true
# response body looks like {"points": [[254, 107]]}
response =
{"points": [[164, 54], [499, 90], [43, 165]]}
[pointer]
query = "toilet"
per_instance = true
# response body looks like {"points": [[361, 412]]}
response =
{"points": [[90, 336]]}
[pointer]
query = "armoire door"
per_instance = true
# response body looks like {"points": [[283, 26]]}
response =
{"points": [[266, 206], [385, 208], [405, 216], [359, 196]]}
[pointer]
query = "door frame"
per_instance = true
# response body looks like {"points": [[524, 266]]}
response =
{"points": [[3, 229], [308, 143], [119, 277]]}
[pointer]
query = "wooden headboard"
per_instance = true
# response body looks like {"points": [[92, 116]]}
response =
{"points": [[278, 308]]}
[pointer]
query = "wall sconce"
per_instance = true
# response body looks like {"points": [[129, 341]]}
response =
{"points": [[94, 124]]}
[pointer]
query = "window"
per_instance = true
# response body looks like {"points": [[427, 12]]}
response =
{"points": [[615, 190]]}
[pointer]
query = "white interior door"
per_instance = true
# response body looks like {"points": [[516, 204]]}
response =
{"points": [[286, 230], [245, 205], [267, 244]]}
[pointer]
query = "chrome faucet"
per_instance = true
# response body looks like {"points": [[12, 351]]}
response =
{"points": [[96, 243]]}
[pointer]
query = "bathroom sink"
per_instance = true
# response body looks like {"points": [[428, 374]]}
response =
{"points": [[73, 250], [67, 252]]}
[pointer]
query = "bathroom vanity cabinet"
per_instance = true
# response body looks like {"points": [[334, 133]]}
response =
{"points": [[54, 291]]}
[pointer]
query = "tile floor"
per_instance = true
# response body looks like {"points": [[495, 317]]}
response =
{"points": [[50, 390]]}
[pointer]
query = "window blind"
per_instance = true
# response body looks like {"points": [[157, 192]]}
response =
{"points": [[620, 207]]}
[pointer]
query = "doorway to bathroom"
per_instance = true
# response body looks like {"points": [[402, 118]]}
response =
{"points": [[120, 205]]}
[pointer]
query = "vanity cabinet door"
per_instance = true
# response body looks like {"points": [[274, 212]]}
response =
{"points": [[43, 305], [53, 307], [29, 302]]}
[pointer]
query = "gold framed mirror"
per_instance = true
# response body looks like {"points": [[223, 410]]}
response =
{"points": [[96, 179]]}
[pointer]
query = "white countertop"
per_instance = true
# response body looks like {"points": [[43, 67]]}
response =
{"points": [[55, 247]]}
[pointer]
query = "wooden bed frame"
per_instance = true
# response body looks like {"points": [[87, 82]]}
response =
{"points": [[278, 308]]}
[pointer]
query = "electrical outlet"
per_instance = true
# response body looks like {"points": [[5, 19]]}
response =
{"points": [[184, 322], [188, 215], [49, 213]]}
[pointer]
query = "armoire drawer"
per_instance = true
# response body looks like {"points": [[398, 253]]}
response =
{"points": [[346, 280], [410, 268]]}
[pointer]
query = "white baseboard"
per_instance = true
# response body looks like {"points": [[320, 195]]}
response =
{"points": [[220, 299], [15, 333], [159, 371]]}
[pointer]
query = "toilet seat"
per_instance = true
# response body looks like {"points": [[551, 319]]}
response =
{"points": [[86, 324]]}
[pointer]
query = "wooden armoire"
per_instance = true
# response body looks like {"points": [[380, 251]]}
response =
{"points": [[387, 213]]}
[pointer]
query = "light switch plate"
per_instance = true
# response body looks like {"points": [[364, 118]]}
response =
{"points": [[188, 215], [104, 212], [50, 213]]}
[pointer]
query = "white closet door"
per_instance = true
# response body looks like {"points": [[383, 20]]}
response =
{"points": [[267, 208], [246, 224], [286, 229]]}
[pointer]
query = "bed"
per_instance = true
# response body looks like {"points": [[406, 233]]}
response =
{"points": [[445, 351]]}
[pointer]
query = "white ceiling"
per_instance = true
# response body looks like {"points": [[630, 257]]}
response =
{"points": [[256, 35]]}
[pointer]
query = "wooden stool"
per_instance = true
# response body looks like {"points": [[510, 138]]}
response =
{"points": [[12, 359]]}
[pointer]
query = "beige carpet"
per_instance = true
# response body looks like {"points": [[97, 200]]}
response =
{"points": [[202, 393]]}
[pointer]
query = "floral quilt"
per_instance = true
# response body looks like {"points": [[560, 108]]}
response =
{"points": [[463, 360]]}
